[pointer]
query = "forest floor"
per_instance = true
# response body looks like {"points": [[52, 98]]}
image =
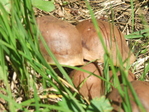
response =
{"points": [[120, 12]]}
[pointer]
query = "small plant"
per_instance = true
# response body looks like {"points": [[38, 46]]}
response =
{"points": [[47, 6]]}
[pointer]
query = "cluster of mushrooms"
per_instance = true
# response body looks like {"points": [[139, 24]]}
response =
{"points": [[77, 45]]}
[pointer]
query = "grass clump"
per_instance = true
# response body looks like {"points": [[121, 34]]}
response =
{"points": [[24, 71]]}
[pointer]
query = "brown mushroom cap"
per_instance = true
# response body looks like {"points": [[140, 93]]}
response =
{"points": [[92, 86], [142, 90], [63, 39], [130, 77], [113, 39]]}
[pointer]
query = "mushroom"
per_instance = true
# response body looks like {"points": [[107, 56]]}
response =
{"points": [[130, 77], [63, 39], [113, 39], [142, 90], [89, 85]]}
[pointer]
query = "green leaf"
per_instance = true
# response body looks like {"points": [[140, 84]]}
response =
{"points": [[6, 4], [47, 6], [65, 105], [99, 105], [138, 34]]}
